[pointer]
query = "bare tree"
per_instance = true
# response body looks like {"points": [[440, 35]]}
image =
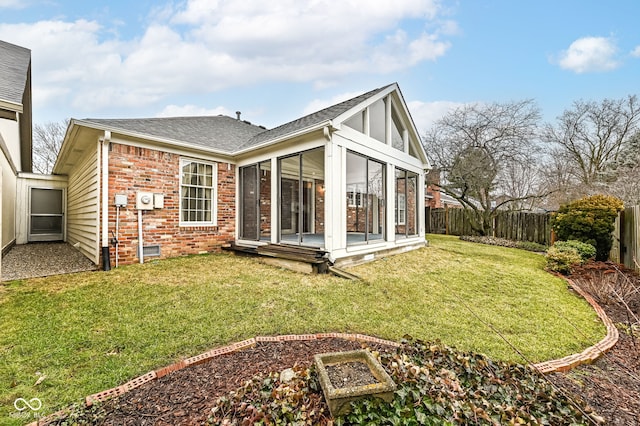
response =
{"points": [[590, 136], [622, 177], [557, 179], [480, 150], [518, 181], [47, 140]]}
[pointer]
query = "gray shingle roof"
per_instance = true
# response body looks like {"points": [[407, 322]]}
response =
{"points": [[224, 133], [310, 120], [221, 132], [14, 67]]}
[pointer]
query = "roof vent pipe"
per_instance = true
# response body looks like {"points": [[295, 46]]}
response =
{"points": [[238, 114]]}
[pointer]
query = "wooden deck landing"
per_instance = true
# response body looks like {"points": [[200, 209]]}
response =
{"points": [[297, 258]]}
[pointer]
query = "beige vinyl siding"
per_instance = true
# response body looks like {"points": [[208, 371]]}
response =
{"points": [[83, 206], [8, 191]]}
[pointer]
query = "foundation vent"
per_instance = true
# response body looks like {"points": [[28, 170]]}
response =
{"points": [[151, 251]]}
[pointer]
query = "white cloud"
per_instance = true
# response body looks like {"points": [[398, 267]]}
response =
{"points": [[13, 4], [399, 51], [425, 114], [192, 111], [636, 52], [201, 46], [590, 54], [69, 59]]}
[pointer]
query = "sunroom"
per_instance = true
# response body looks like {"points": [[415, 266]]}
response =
{"points": [[347, 180]]}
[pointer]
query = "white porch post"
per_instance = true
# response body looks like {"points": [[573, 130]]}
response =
{"points": [[391, 202], [329, 195], [275, 201], [421, 204]]}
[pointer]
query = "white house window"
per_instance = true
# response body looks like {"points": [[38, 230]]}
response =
{"points": [[398, 131], [197, 193]]}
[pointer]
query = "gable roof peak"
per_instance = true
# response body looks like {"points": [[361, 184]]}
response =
{"points": [[314, 119]]}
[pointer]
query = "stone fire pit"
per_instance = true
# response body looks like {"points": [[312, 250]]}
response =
{"points": [[348, 376]]}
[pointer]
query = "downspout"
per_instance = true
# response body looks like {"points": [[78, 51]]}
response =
{"points": [[106, 261]]}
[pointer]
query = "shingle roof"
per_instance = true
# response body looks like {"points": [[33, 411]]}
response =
{"points": [[310, 120], [221, 132], [14, 68]]}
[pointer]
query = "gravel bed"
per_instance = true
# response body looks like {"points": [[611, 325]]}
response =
{"points": [[43, 259]]}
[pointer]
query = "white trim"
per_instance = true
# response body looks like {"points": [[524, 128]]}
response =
{"points": [[388, 122], [11, 106], [301, 132], [275, 204], [214, 193], [357, 142], [96, 255]]}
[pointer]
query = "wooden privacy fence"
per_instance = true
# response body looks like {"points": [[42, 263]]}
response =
{"points": [[519, 226], [626, 246], [526, 226]]}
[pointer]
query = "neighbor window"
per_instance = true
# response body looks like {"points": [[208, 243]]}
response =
{"points": [[354, 194], [401, 210], [197, 193]]}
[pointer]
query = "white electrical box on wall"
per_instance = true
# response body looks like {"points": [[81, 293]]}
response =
{"points": [[144, 200], [158, 201], [121, 200]]}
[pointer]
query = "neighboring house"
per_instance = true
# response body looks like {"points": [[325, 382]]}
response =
{"points": [[15, 132], [348, 180], [438, 199], [435, 197]]}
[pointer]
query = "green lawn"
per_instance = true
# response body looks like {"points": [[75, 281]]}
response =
{"points": [[89, 332]]}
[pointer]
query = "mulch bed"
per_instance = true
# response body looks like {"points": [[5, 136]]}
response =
{"points": [[185, 397], [611, 385]]}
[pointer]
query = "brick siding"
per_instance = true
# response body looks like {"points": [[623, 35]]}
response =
{"points": [[133, 169]]}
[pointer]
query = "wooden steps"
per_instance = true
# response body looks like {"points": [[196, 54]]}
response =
{"points": [[285, 251], [289, 256]]}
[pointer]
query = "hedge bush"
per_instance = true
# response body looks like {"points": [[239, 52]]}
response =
{"points": [[503, 242], [590, 220], [586, 251], [561, 259]]}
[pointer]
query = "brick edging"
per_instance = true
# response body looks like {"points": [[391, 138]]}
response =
{"points": [[206, 356], [591, 353], [234, 347]]}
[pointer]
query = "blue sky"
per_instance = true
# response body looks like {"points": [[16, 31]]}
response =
{"points": [[278, 60]]}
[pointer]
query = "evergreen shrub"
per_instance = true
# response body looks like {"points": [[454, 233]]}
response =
{"points": [[562, 259], [589, 220], [585, 250]]}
